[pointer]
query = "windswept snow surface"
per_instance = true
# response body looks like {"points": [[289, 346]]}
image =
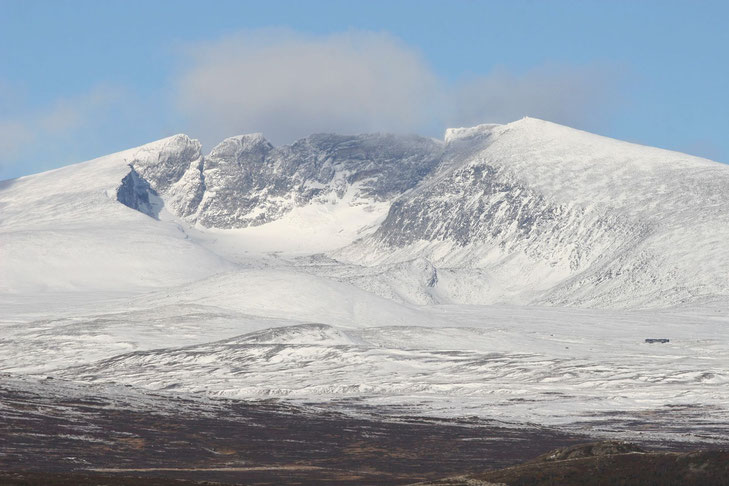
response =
{"points": [[64, 230], [510, 272]]}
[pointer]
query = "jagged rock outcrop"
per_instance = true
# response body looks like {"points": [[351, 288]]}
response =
{"points": [[246, 181], [134, 192]]}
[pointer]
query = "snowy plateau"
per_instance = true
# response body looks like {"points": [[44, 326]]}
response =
{"points": [[507, 272]]}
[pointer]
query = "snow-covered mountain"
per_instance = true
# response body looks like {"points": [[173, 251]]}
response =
{"points": [[529, 212], [559, 216], [350, 259]]}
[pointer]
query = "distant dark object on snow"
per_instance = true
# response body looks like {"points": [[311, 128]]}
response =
{"points": [[657, 340]]}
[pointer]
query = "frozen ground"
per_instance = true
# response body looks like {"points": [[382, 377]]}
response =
{"points": [[585, 370]]}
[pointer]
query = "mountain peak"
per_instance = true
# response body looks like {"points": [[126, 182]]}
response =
{"points": [[485, 129], [169, 144], [250, 142], [463, 133]]}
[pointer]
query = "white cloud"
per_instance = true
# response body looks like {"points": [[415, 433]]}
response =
{"points": [[71, 114], [575, 96], [290, 85]]}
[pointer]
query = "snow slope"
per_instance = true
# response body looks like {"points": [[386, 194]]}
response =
{"points": [[64, 230]]}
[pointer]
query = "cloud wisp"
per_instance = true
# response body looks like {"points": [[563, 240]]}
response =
{"points": [[14, 136], [57, 124], [289, 85], [582, 97]]}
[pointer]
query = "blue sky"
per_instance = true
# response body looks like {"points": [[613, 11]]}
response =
{"points": [[79, 79]]}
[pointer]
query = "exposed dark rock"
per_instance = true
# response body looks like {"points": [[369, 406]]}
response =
{"points": [[594, 449], [136, 193]]}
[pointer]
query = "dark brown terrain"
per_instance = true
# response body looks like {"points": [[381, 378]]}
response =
{"points": [[607, 464], [55, 433], [51, 427]]}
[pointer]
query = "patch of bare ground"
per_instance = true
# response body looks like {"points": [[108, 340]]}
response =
{"points": [[48, 428], [608, 463], [78, 479]]}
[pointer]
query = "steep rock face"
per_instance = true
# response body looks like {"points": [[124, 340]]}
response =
{"points": [[230, 181], [134, 192], [484, 205], [172, 168], [245, 181], [248, 182], [164, 163]]}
